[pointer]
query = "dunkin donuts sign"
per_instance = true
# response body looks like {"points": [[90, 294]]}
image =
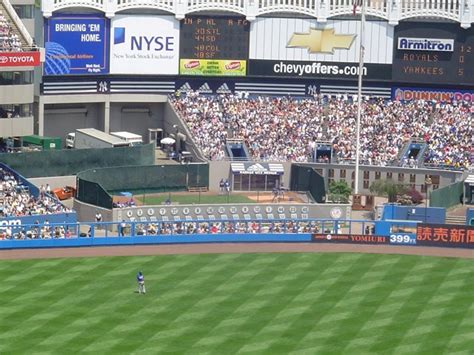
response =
{"points": [[19, 59], [440, 95]]}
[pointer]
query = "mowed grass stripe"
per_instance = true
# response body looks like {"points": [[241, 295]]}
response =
{"points": [[254, 303], [415, 301]]}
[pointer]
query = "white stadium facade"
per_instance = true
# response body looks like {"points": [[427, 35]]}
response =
{"points": [[115, 80]]}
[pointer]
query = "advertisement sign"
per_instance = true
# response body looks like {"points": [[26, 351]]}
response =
{"points": [[144, 45], [76, 45], [445, 235], [433, 53], [22, 221], [19, 59], [440, 95], [403, 239], [350, 239], [212, 67], [299, 69], [304, 39]]}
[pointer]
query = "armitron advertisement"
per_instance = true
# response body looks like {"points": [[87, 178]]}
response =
{"points": [[144, 45], [433, 53], [299, 39], [350, 239], [76, 45], [445, 235], [212, 67]]}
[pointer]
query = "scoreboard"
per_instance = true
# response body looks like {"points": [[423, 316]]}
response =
{"points": [[433, 53], [214, 45], [214, 37]]}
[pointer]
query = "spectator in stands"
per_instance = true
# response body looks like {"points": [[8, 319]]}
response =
{"points": [[283, 128], [17, 200]]}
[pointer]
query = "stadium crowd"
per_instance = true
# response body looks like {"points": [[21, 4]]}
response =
{"points": [[9, 41], [285, 128], [16, 200]]}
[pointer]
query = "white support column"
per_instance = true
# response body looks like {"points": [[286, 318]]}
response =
{"points": [[180, 9], [47, 8], [393, 8], [251, 9], [110, 8], [40, 116], [466, 13], [322, 10], [107, 114]]}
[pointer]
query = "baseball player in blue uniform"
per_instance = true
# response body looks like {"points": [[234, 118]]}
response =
{"points": [[141, 283]]}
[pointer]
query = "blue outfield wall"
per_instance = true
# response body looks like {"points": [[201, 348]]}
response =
{"points": [[161, 239], [411, 213]]}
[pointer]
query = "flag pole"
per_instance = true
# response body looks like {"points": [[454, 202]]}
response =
{"points": [[359, 96]]}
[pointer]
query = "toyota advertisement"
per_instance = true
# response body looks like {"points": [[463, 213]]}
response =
{"points": [[144, 45], [19, 59], [76, 45]]}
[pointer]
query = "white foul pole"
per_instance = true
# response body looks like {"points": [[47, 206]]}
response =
{"points": [[359, 95]]}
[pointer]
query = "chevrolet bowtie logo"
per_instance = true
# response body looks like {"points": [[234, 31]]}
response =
{"points": [[320, 41]]}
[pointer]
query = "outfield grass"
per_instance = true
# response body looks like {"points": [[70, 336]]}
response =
{"points": [[193, 198], [224, 304]]}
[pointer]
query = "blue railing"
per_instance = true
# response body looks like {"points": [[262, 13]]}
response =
{"points": [[164, 232]]}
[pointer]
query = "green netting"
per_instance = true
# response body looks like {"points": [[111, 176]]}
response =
{"points": [[305, 178], [93, 193], [447, 196], [72, 161], [100, 183]]}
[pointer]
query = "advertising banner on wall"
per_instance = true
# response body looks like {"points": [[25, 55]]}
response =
{"points": [[76, 45], [300, 39], [350, 239], [19, 59], [445, 235], [144, 45], [214, 46], [212, 67], [329, 70], [433, 53], [440, 95]]}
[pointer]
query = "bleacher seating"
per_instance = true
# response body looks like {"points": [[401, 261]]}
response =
{"points": [[9, 40]]}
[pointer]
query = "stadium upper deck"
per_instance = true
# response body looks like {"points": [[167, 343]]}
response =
{"points": [[393, 11]]}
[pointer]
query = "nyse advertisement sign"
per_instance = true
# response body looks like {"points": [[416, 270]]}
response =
{"points": [[19, 59], [445, 235], [350, 239], [144, 45], [304, 69], [76, 45], [440, 95], [433, 53]]}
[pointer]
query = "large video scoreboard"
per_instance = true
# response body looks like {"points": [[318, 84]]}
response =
{"points": [[433, 53], [214, 45]]}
